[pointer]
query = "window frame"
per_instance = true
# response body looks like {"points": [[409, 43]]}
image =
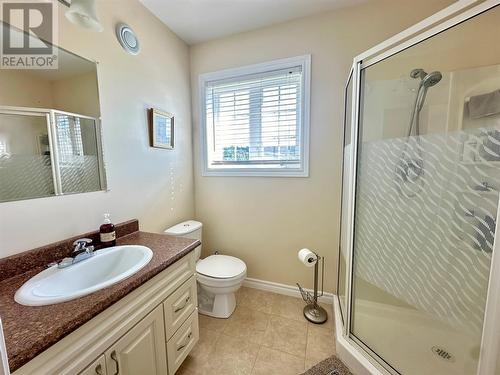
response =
{"points": [[304, 62]]}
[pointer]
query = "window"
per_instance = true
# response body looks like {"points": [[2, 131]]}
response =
{"points": [[255, 119], [69, 138]]}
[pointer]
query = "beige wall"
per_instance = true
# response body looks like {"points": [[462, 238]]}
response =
{"points": [[266, 220], [24, 90], [77, 94], [153, 185]]}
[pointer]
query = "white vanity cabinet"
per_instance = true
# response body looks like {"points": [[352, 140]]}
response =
{"points": [[150, 331]]}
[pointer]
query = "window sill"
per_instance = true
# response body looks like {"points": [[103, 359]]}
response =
{"points": [[255, 173]]}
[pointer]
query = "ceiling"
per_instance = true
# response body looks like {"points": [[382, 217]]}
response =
{"points": [[197, 21]]}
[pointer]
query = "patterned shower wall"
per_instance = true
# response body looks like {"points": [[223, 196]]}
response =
{"points": [[25, 176], [30, 176], [80, 174], [428, 240]]}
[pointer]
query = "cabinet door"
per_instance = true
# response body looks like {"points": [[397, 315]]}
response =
{"points": [[141, 350], [98, 367]]}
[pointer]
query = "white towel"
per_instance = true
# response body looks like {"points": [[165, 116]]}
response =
{"points": [[484, 105]]}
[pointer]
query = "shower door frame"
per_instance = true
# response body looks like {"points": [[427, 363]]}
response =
{"points": [[441, 21]]}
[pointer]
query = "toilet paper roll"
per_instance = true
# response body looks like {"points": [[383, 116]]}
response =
{"points": [[307, 257]]}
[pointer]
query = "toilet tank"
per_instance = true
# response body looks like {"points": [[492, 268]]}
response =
{"points": [[189, 229]]}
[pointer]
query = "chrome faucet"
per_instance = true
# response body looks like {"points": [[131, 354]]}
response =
{"points": [[80, 252]]}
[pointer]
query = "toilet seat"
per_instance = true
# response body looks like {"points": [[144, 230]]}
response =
{"points": [[223, 267], [220, 283]]}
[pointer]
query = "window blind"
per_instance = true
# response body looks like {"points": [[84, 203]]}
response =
{"points": [[255, 120], [69, 138]]}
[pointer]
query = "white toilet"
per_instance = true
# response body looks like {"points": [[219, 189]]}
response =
{"points": [[219, 276]]}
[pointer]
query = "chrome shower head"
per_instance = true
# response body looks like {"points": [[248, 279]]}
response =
{"points": [[427, 80], [431, 79]]}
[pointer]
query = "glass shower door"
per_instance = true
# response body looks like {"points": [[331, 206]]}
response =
{"points": [[427, 187], [343, 243]]}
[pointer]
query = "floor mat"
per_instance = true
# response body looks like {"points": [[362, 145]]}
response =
{"points": [[330, 366]]}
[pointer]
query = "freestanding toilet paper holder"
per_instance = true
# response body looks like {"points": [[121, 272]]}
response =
{"points": [[312, 311]]}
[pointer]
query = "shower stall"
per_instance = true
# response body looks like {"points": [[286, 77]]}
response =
{"points": [[419, 264]]}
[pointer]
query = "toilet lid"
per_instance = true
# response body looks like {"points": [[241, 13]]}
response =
{"points": [[221, 266]]}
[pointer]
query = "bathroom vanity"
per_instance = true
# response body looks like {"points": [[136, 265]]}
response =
{"points": [[145, 324]]}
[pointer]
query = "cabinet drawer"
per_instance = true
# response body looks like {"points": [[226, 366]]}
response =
{"points": [[179, 305], [181, 343]]}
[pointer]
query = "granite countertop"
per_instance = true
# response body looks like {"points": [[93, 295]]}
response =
{"points": [[30, 330]]}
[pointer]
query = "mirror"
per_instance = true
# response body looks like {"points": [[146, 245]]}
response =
{"points": [[50, 139]]}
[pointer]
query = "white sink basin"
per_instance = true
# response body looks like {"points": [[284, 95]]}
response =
{"points": [[107, 267]]}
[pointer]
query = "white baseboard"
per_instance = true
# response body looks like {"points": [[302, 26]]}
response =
{"points": [[287, 290]]}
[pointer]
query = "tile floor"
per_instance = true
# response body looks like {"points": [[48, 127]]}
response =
{"points": [[267, 334]]}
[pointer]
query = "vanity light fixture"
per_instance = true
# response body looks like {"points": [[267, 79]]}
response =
{"points": [[83, 13]]}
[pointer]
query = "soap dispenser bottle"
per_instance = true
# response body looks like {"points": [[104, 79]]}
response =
{"points": [[107, 232]]}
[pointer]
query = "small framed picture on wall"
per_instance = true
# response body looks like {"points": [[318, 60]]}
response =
{"points": [[161, 129]]}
